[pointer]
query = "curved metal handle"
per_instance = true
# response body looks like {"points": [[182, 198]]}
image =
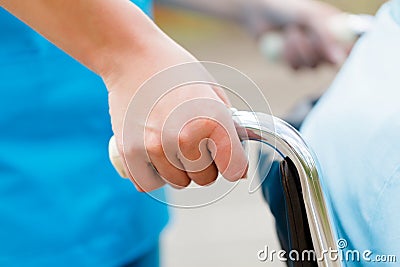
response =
{"points": [[288, 143]]}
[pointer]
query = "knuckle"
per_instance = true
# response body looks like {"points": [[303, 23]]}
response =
{"points": [[185, 138], [208, 123], [154, 146], [201, 127]]}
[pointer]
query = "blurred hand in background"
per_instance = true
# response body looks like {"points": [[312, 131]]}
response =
{"points": [[305, 28], [304, 25]]}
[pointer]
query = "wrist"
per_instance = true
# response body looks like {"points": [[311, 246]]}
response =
{"points": [[132, 66], [128, 40], [119, 54]]}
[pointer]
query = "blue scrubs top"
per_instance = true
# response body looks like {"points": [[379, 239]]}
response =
{"points": [[355, 132], [61, 202]]}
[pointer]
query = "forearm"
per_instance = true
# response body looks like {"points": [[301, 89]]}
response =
{"points": [[95, 32]]}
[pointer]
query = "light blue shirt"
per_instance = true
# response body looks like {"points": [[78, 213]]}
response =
{"points": [[61, 201], [355, 133]]}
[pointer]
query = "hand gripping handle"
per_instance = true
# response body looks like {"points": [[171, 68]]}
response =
{"points": [[288, 143]]}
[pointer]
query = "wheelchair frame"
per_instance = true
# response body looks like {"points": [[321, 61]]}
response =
{"points": [[288, 142]]}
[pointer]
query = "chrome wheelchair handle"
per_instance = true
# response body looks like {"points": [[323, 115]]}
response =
{"points": [[288, 143]]}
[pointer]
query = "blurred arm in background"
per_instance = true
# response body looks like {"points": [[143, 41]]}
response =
{"points": [[303, 23]]}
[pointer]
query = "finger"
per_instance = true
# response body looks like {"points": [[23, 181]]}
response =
{"points": [[172, 174], [291, 54], [205, 177], [308, 52], [144, 176], [118, 159], [227, 151], [196, 159], [140, 170], [300, 50], [328, 47]]}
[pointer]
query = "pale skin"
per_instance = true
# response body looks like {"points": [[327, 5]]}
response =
{"points": [[116, 40]]}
